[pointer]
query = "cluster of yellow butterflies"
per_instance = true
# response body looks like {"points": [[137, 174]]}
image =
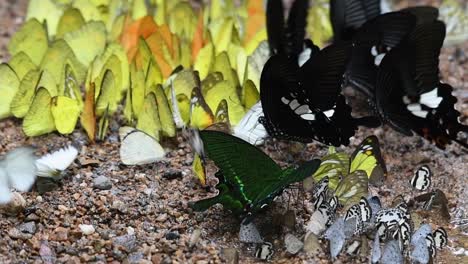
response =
{"points": [[76, 60]]}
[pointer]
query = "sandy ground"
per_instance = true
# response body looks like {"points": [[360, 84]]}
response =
{"points": [[144, 216]]}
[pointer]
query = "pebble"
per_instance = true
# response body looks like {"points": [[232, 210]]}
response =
{"points": [[87, 229], [127, 242], [293, 244], [59, 234], [230, 255], [172, 235], [195, 237], [120, 206], [162, 218], [16, 234], [312, 244], [102, 183], [136, 257], [172, 174], [29, 228]]}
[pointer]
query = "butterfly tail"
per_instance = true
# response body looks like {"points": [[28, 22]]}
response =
{"points": [[307, 169], [204, 204]]}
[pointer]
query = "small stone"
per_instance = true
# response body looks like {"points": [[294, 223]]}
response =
{"points": [[87, 229], [161, 218], [136, 257], [102, 183], [16, 234], [59, 234], [32, 217], [230, 255], [127, 242], [172, 174], [312, 244], [172, 235], [39, 199], [47, 254], [195, 237], [293, 244], [29, 228], [62, 208], [120, 206]]}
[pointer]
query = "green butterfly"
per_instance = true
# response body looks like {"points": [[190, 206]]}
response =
{"points": [[248, 179]]}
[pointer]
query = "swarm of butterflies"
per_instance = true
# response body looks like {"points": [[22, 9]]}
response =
{"points": [[340, 184], [392, 59]]}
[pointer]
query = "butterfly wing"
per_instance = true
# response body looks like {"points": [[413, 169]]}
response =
{"points": [[348, 15], [233, 156], [286, 39], [367, 157], [333, 166], [372, 41], [278, 81], [275, 25], [352, 187], [295, 28]]}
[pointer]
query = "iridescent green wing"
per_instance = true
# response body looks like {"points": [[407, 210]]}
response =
{"points": [[367, 157], [352, 187]]}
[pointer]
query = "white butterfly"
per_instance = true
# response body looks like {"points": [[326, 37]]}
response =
{"points": [[249, 128], [17, 170], [138, 148], [51, 165]]}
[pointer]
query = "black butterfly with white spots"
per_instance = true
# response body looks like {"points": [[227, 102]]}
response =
{"points": [[304, 103], [422, 178], [409, 95]]}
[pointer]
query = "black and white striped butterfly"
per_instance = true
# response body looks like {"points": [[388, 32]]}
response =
{"points": [[265, 251], [422, 178], [440, 237], [362, 212]]}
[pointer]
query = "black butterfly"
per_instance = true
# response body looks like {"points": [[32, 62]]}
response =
{"points": [[410, 97]]}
